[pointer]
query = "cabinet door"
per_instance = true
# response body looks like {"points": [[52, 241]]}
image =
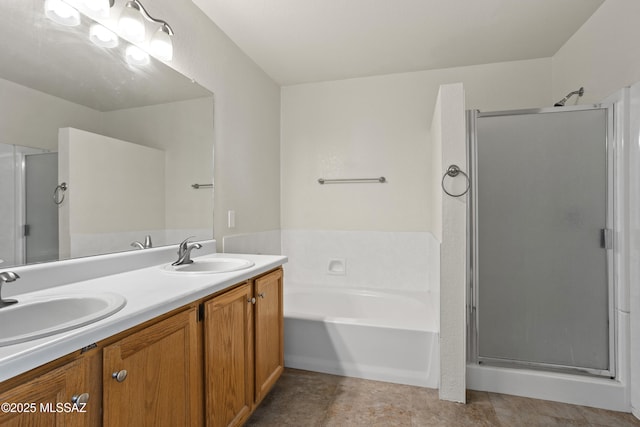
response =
{"points": [[269, 334], [151, 378], [49, 398], [229, 357]]}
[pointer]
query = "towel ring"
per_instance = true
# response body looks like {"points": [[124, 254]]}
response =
{"points": [[454, 171], [58, 193]]}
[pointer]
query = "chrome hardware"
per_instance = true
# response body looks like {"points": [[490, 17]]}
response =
{"points": [[88, 348], [146, 245], [251, 300], [261, 295], [198, 186], [184, 251], [578, 92], [80, 399], [381, 180], [7, 277], [137, 5], [453, 171], [58, 193], [120, 375], [606, 238]]}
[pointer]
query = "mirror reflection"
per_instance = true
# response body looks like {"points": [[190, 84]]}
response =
{"points": [[127, 141]]}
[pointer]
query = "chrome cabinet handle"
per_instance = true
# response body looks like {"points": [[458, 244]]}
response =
{"points": [[261, 295], [251, 300], [80, 399], [120, 375]]}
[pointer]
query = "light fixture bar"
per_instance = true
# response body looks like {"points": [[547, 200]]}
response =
{"points": [[165, 25]]}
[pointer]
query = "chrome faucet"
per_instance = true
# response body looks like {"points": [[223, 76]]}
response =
{"points": [[7, 277], [147, 243], [184, 252]]}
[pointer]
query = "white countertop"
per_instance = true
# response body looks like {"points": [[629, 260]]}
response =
{"points": [[150, 292]]}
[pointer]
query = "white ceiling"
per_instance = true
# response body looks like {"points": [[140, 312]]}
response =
{"points": [[297, 41]]}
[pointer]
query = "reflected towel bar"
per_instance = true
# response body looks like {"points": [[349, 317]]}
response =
{"points": [[357, 180], [197, 186]]}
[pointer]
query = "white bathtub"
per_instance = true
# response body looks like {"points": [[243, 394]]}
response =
{"points": [[363, 333]]}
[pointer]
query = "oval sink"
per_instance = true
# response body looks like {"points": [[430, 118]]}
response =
{"points": [[210, 265], [38, 317]]}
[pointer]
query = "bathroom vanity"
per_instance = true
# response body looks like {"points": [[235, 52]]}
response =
{"points": [[209, 350]]}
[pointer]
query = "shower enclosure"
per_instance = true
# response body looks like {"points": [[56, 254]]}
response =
{"points": [[541, 226], [41, 211], [28, 214]]}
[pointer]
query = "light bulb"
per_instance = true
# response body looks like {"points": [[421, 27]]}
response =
{"points": [[60, 12], [161, 44], [98, 7], [102, 36], [136, 56], [131, 22]]}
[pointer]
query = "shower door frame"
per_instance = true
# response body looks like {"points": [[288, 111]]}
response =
{"points": [[472, 249]]}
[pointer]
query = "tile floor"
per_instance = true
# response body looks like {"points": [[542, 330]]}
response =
{"points": [[308, 399]]}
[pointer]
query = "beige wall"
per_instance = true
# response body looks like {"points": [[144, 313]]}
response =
{"points": [[449, 134], [107, 193], [602, 55], [246, 119], [32, 118], [183, 130], [377, 126]]}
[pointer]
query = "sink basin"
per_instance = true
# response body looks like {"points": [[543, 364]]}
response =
{"points": [[210, 265], [38, 317]]}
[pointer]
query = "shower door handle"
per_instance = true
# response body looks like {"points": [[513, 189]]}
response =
{"points": [[606, 238]]}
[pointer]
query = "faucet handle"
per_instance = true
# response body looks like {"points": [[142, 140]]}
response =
{"points": [[147, 242], [8, 276], [183, 245]]}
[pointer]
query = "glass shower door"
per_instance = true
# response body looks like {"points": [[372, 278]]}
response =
{"points": [[41, 228], [542, 288]]}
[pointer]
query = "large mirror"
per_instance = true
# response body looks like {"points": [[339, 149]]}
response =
{"points": [[95, 153]]}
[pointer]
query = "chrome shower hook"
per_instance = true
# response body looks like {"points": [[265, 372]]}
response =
{"points": [[454, 171], [58, 193]]}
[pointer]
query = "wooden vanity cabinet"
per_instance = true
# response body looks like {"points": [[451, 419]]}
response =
{"points": [[152, 377], [228, 349], [47, 400], [153, 374], [244, 352], [269, 333]]}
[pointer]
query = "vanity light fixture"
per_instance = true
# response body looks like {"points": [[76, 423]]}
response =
{"points": [[132, 26], [136, 56], [98, 8], [131, 22], [60, 12], [102, 36], [161, 45]]}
